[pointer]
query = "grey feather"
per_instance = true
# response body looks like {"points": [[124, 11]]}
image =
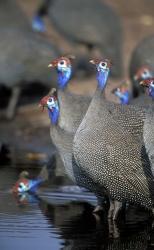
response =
{"points": [[108, 146]]}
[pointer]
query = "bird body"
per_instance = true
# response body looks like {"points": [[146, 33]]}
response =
{"points": [[26, 68], [63, 140], [108, 146], [94, 25], [148, 131], [10, 13], [72, 108], [20, 49]]}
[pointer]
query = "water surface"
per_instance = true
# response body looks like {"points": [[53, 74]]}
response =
{"points": [[54, 219]]}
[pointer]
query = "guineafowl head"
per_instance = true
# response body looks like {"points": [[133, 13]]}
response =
{"points": [[149, 83], [21, 186], [103, 69], [51, 102], [64, 68], [143, 73], [123, 93]]}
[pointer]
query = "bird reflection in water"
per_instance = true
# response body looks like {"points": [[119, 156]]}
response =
{"points": [[80, 229], [25, 198], [75, 223]]}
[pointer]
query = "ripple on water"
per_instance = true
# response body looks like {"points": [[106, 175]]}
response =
{"points": [[57, 220]]}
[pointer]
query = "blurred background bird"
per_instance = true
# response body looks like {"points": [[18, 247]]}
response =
{"points": [[21, 50], [141, 63], [27, 184], [123, 93], [149, 84], [93, 27]]}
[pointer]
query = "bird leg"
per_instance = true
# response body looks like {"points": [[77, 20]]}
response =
{"points": [[113, 229], [115, 207], [10, 112], [111, 209], [97, 209], [100, 204]]}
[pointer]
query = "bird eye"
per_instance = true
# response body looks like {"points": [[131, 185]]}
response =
{"points": [[145, 73], [103, 65], [62, 63], [51, 100], [21, 186]]}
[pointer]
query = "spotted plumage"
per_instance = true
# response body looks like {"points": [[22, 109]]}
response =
{"points": [[108, 146], [72, 108]]}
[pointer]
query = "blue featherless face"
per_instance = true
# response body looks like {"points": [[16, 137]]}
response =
{"points": [[52, 105], [53, 109], [103, 69], [143, 73], [64, 70], [123, 96], [151, 90], [123, 93]]}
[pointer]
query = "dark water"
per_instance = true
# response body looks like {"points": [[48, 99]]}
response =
{"points": [[58, 220]]}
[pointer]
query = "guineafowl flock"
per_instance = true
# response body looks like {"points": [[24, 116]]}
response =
{"points": [[106, 148], [95, 26]]}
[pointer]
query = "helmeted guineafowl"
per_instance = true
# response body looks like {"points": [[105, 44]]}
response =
{"points": [[91, 24], [108, 146], [66, 113], [24, 53], [148, 131], [142, 61], [123, 93], [149, 83]]}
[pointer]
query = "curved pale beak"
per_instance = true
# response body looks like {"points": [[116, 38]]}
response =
{"points": [[50, 65], [144, 83], [92, 61]]}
